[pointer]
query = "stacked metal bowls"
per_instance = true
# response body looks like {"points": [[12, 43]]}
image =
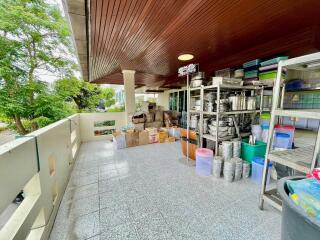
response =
{"points": [[228, 170], [227, 150], [236, 148], [217, 166], [238, 168], [245, 169]]}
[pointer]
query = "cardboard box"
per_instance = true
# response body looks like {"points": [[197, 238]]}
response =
{"points": [[143, 137], [148, 125], [139, 126], [119, 140], [162, 136], [132, 139], [153, 138], [157, 124], [152, 130], [170, 139]]}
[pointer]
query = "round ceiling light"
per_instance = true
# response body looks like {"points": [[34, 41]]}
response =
{"points": [[185, 57]]}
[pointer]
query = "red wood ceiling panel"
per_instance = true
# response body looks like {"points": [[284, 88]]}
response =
{"points": [[148, 35]]}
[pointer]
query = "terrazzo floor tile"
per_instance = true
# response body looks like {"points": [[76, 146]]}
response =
{"points": [[84, 206], [150, 192], [97, 237], [109, 185], [113, 216], [140, 207], [75, 193], [124, 231], [112, 198], [85, 226], [152, 227], [84, 180]]}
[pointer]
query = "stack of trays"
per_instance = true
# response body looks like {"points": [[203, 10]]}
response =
{"points": [[251, 70], [228, 170], [236, 147], [217, 166], [238, 168], [227, 150], [245, 169], [268, 70]]}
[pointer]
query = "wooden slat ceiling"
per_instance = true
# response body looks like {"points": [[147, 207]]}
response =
{"points": [[148, 35]]}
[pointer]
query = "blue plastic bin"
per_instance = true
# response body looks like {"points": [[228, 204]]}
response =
{"points": [[282, 140], [257, 170]]}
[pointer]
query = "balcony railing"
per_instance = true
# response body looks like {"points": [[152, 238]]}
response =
{"points": [[40, 164]]}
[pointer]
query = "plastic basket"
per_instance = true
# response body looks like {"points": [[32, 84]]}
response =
{"points": [[248, 151], [251, 63], [273, 60]]}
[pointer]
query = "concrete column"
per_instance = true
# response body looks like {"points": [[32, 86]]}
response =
{"points": [[129, 92]]}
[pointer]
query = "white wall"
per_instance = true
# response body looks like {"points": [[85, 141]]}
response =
{"points": [[39, 163], [87, 124], [163, 100]]}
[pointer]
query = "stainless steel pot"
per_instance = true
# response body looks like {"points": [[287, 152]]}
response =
{"points": [[243, 103], [196, 83], [251, 105], [235, 102], [198, 76]]}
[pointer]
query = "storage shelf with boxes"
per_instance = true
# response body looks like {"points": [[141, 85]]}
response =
{"points": [[150, 125]]}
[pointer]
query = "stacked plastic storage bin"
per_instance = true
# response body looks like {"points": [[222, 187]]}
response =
{"points": [[283, 136], [204, 158], [251, 71], [257, 169], [303, 99], [268, 70], [265, 122]]}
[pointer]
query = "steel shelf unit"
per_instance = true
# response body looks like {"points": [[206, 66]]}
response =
{"points": [[300, 159], [218, 88]]}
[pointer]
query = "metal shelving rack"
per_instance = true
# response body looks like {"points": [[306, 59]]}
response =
{"points": [[301, 159], [218, 113]]}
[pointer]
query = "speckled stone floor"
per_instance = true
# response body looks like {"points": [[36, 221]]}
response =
{"points": [[148, 192]]}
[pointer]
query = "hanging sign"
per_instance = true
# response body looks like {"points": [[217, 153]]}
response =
{"points": [[189, 69]]}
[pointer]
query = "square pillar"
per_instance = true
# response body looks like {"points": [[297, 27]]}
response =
{"points": [[129, 93]]}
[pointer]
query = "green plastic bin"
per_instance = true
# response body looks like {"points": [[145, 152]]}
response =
{"points": [[248, 151]]}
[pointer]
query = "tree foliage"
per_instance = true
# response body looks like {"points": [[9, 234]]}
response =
{"points": [[34, 40], [85, 95]]}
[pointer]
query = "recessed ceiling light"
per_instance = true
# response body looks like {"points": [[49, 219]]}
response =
{"points": [[185, 57]]}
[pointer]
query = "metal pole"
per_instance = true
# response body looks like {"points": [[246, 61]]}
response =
{"points": [[201, 116], [217, 121], [188, 117], [178, 100], [261, 100], [314, 162]]}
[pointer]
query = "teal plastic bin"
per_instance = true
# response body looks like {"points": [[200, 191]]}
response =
{"points": [[248, 151]]}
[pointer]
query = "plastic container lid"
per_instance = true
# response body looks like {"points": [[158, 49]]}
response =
{"points": [[265, 116], [286, 127], [204, 152], [260, 161], [282, 135]]}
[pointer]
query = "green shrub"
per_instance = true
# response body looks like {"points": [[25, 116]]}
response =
{"points": [[116, 109]]}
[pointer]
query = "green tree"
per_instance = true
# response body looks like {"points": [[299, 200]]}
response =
{"points": [[34, 39], [108, 94], [85, 95]]}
